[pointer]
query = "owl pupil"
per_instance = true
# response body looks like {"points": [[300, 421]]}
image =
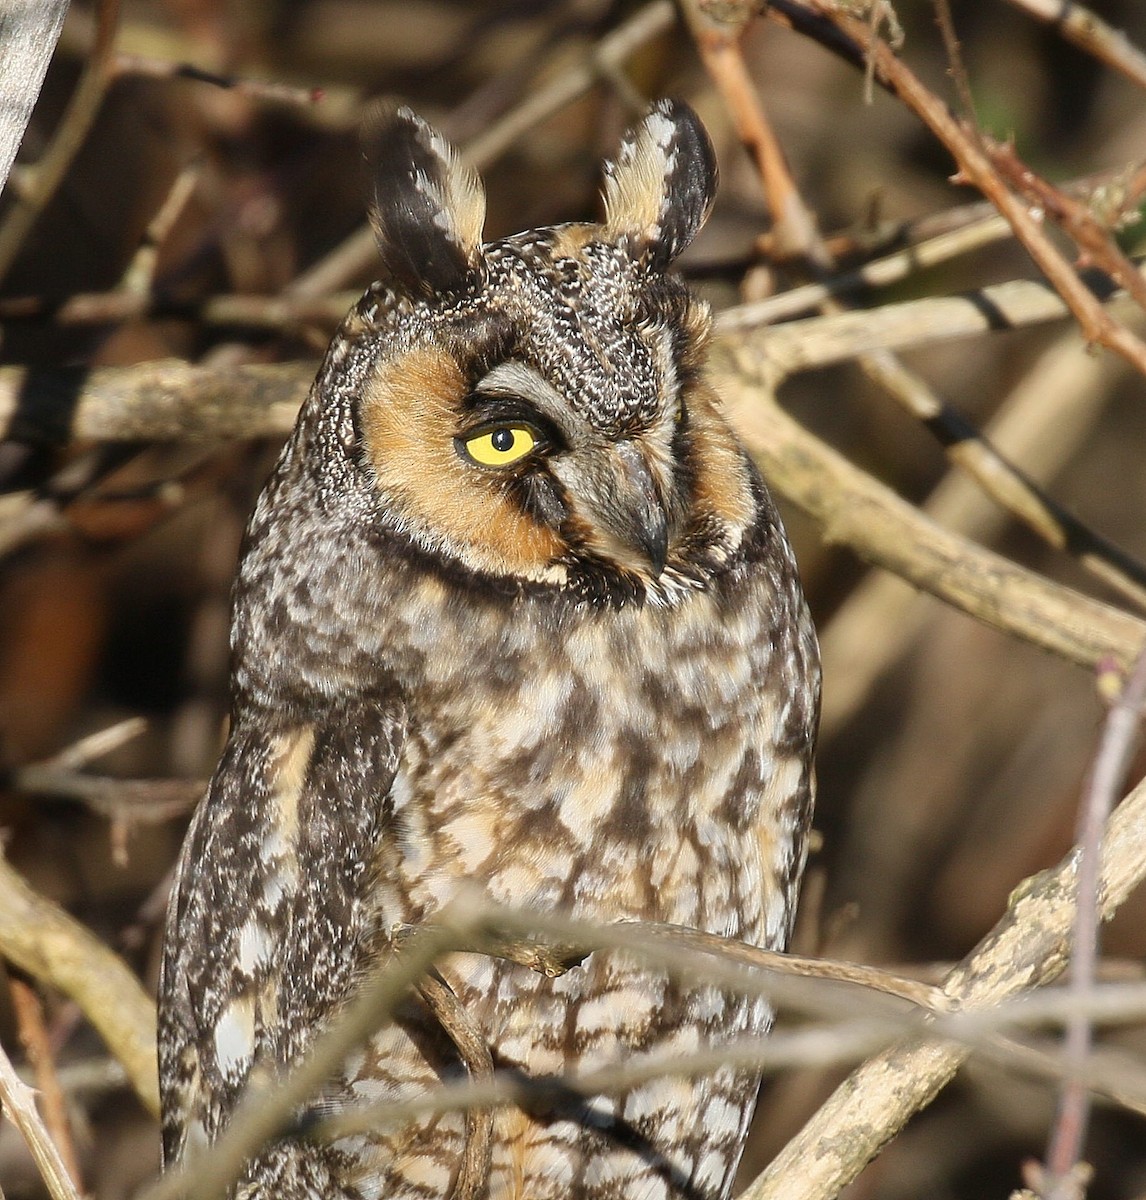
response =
{"points": [[502, 440]]}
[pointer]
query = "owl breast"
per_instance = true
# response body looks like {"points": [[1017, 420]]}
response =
{"points": [[646, 763]]}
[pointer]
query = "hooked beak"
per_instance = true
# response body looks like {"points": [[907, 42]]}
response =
{"points": [[639, 516], [627, 511]]}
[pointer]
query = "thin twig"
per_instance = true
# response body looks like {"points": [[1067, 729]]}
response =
{"points": [[131, 801], [459, 1026], [1103, 781], [95, 745], [123, 801], [1000, 479], [831, 1045], [34, 1038], [956, 68], [879, 272], [140, 274], [1090, 234], [975, 167], [717, 32], [259, 89], [840, 1041]]}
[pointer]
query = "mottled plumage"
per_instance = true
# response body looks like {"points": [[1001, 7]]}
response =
{"points": [[514, 609]]}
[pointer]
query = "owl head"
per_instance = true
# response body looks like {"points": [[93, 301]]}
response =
{"points": [[529, 411]]}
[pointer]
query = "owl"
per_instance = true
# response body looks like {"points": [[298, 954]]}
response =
{"points": [[514, 612]]}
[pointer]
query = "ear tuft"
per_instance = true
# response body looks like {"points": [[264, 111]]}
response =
{"points": [[660, 189], [427, 207]]}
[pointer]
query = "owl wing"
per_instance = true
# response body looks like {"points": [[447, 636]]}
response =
{"points": [[274, 908]]}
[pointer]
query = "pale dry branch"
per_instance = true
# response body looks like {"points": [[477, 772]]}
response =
{"points": [[41, 939], [965, 446], [879, 272], [821, 341], [19, 1104], [1040, 424], [165, 400], [859, 1022], [1027, 948], [855, 510], [843, 1040], [550, 944]]}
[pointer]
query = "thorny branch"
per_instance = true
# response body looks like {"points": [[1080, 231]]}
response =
{"points": [[975, 167], [18, 1104], [29, 1012]]}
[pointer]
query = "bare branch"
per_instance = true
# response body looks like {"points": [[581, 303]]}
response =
{"points": [[975, 165], [18, 1103], [1027, 948], [855, 510], [43, 940]]}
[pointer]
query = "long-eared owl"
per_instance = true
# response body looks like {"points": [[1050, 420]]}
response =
{"points": [[514, 611]]}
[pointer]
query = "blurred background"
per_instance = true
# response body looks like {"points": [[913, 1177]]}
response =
{"points": [[952, 755]]}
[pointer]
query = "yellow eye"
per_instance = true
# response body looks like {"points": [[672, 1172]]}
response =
{"points": [[501, 446]]}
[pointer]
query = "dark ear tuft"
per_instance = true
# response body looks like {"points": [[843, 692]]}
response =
{"points": [[659, 191], [427, 207]]}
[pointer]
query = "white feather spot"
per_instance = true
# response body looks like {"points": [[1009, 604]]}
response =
{"points": [[255, 947], [235, 1037], [710, 1174]]}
